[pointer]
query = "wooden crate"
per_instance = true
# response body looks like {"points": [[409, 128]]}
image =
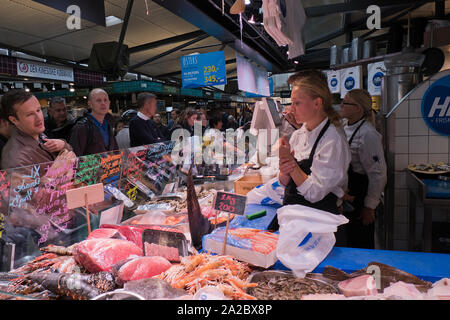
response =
{"points": [[246, 183]]}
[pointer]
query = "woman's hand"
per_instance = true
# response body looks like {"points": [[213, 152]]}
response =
{"points": [[367, 216], [291, 119], [287, 166], [284, 148], [54, 145]]}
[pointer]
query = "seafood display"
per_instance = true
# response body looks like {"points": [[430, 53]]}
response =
{"points": [[225, 272], [274, 285], [101, 254], [121, 261]]}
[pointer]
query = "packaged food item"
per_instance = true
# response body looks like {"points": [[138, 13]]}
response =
{"points": [[254, 246]]}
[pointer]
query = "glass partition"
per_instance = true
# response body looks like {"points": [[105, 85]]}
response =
{"points": [[33, 206]]}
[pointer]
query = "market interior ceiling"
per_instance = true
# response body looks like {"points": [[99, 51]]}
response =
{"points": [[159, 32]]}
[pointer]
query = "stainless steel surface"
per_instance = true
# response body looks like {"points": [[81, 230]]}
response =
{"points": [[418, 191], [356, 51], [369, 49], [345, 55], [335, 55]]}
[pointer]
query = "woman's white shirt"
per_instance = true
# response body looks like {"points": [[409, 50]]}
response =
{"points": [[330, 162], [368, 158]]}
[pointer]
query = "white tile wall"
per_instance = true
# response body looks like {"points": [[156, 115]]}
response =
{"points": [[401, 127], [418, 158], [417, 127], [401, 162], [418, 144], [414, 143], [415, 110], [438, 144], [401, 144], [438, 157]]}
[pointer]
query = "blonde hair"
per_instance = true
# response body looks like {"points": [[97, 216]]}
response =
{"points": [[314, 82], [363, 99]]}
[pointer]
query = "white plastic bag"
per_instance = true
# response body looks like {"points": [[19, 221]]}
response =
{"points": [[270, 192], [306, 237]]}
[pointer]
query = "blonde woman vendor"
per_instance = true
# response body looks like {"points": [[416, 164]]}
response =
{"points": [[315, 160], [367, 172]]}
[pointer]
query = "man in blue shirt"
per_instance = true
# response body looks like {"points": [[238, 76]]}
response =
{"points": [[94, 133]]}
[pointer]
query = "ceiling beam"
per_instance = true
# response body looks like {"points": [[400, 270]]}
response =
{"points": [[361, 23], [207, 16], [167, 41], [184, 45], [123, 31], [353, 6]]}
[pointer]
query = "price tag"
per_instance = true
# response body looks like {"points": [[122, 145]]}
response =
{"points": [[230, 202]]}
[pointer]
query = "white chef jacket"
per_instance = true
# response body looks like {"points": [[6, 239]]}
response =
{"points": [[330, 162], [368, 158]]}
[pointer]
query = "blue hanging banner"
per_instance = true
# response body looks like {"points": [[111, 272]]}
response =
{"points": [[201, 70]]}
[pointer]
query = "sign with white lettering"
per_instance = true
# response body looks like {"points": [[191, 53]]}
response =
{"points": [[91, 10], [201, 70], [436, 106], [42, 70]]}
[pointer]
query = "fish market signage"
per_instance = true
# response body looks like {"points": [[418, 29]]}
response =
{"points": [[42, 70], [201, 70], [436, 106]]}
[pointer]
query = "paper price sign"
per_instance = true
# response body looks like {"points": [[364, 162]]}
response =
{"points": [[230, 202], [201, 70]]}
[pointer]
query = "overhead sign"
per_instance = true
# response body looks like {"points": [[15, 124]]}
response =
{"points": [[201, 70], [251, 78], [375, 74], [45, 71], [436, 106], [90, 10]]}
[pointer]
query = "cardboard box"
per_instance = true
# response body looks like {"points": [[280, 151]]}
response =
{"points": [[246, 183]]}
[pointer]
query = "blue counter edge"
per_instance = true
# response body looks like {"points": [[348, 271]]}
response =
{"points": [[426, 266]]}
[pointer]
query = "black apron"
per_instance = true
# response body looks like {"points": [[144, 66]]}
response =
{"points": [[358, 235], [291, 195]]}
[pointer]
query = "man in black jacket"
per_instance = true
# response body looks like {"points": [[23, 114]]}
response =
{"points": [[58, 124], [94, 133], [143, 129]]}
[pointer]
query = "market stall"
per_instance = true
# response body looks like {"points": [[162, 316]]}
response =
{"points": [[158, 235]]}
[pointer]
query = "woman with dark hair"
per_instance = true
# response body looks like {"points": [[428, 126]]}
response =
{"points": [[186, 121]]}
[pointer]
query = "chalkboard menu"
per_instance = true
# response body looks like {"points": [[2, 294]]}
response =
{"points": [[230, 202]]}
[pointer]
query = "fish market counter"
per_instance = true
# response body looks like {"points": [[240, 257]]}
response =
{"points": [[426, 266]]}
